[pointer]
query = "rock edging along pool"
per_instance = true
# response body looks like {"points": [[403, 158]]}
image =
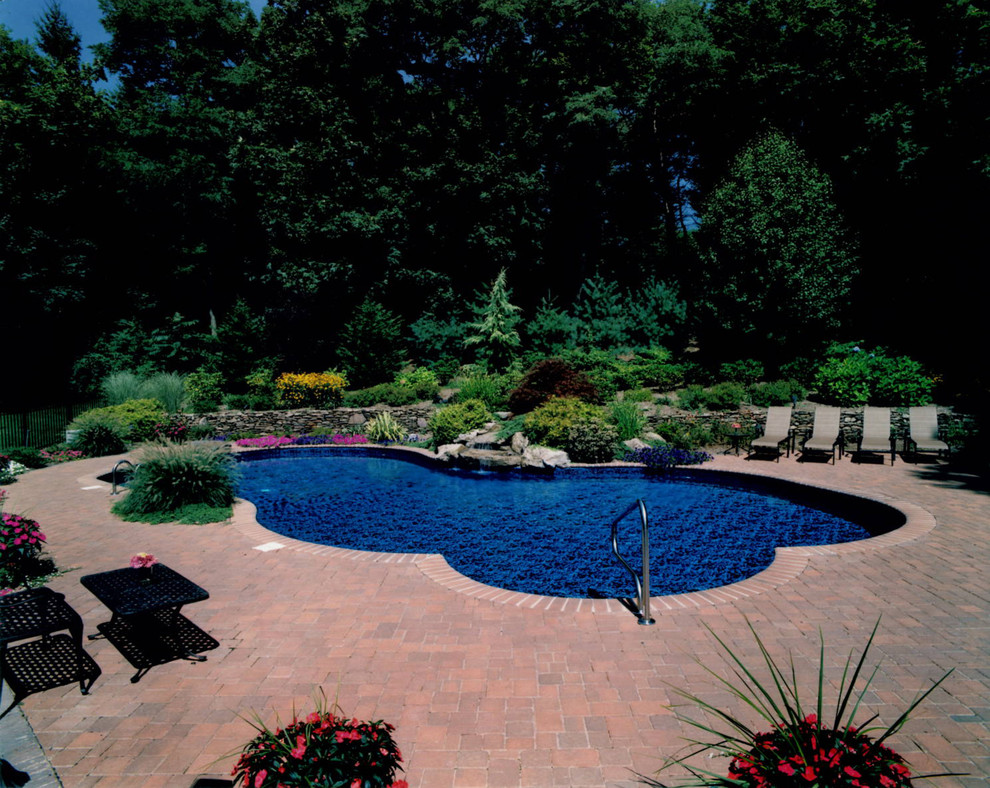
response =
{"points": [[549, 535]]}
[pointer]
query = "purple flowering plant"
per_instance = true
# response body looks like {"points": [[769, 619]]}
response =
{"points": [[664, 457]]}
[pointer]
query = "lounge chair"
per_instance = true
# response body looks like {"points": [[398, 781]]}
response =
{"points": [[875, 438], [923, 437], [825, 435], [776, 432]]}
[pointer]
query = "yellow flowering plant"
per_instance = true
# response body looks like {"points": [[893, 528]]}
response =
{"points": [[310, 389]]}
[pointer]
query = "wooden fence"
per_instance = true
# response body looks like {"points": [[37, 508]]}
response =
{"points": [[39, 428]]}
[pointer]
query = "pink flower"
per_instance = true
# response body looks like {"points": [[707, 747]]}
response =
{"points": [[300, 749], [259, 778], [143, 560]]}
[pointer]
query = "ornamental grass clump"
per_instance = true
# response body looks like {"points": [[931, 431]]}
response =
{"points": [[172, 477], [799, 748], [325, 748]]}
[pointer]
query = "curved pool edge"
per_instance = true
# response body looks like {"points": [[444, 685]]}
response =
{"points": [[788, 562]]}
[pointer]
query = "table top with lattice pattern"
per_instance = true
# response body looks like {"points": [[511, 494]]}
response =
{"points": [[131, 592]]}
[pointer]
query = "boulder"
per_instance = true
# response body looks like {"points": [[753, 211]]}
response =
{"points": [[449, 451], [485, 440], [635, 443], [519, 443], [485, 459], [652, 437], [542, 457]]}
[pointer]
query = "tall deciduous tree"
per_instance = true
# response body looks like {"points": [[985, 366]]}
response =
{"points": [[53, 130], [180, 80], [778, 259]]}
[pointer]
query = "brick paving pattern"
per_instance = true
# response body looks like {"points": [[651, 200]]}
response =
{"points": [[492, 688]]}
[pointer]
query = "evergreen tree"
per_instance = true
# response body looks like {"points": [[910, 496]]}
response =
{"points": [[495, 332]]}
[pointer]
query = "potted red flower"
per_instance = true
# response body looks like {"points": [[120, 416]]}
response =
{"points": [[799, 749], [323, 749]]}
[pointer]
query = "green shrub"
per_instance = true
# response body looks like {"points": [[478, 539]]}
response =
{"points": [[686, 436], [775, 392], [638, 395], [549, 378], [422, 380], [725, 396], [550, 424], [449, 422], [28, 456], [627, 418], [605, 370], [371, 346], [445, 369], [862, 378], [199, 432], [490, 389], [591, 440], [653, 368], [261, 391], [384, 427], [169, 388], [171, 476], [721, 396], [391, 394], [204, 391], [744, 371], [801, 369], [136, 418], [551, 330], [100, 437], [692, 397]]}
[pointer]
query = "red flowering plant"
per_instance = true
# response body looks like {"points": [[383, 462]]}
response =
{"points": [[800, 749], [21, 543], [325, 749]]}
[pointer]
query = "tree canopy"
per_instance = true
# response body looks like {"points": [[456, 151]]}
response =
{"points": [[711, 158]]}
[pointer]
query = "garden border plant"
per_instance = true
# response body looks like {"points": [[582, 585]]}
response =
{"points": [[801, 748]]}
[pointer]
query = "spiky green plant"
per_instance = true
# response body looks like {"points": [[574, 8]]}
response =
{"points": [[627, 418], [384, 427], [801, 749]]}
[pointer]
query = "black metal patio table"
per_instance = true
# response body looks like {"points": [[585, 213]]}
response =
{"points": [[146, 626]]}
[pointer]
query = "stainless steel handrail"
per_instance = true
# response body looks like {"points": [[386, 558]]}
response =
{"points": [[642, 584], [113, 473]]}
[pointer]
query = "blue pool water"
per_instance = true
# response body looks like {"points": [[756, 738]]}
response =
{"points": [[548, 534]]}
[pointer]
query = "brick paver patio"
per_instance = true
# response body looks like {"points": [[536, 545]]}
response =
{"points": [[494, 689]]}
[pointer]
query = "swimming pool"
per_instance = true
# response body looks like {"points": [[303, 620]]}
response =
{"points": [[549, 534]]}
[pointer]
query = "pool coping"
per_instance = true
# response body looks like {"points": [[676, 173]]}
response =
{"points": [[788, 562]]}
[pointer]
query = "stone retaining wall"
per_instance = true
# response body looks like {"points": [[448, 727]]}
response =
{"points": [[414, 418], [310, 420]]}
